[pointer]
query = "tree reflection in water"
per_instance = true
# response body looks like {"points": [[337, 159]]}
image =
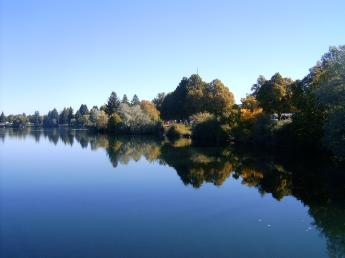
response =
{"points": [[319, 185]]}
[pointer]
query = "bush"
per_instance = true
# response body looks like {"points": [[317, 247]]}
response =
{"points": [[334, 133], [114, 123], [178, 131], [210, 131]]}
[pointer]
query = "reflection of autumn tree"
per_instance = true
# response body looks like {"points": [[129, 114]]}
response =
{"points": [[99, 141], [179, 143], [198, 165], [267, 176], [251, 177]]}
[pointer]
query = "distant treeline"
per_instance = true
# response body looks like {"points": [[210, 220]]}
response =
{"points": [[278, 113]]}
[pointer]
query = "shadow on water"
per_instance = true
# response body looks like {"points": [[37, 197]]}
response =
{"points": [[319, 184]]}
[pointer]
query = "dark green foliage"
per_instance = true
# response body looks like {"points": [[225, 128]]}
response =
{"points": [[210, 131], [3, 118], [319, 101], [334, 133], [35, 119], [263, 129], [135, 100], [83, 110], [193, 95], [66, 115], [125, 99], [158, 101], [173, 104], [273, 95], [52, 119], [112, 105]]}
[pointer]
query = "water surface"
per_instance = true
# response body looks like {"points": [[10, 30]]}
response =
{"points": [[75, 194]]}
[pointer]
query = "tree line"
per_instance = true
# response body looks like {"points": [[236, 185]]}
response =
{"points": [[278, 112]]}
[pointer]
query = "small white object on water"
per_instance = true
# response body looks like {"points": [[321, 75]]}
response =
{"points": [[259, 220], [269, 225]]}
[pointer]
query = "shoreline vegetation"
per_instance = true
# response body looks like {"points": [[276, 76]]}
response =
{"points": [[279, 113]]}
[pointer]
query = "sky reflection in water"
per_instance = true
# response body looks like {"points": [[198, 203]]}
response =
{"points": [[75, 194]]}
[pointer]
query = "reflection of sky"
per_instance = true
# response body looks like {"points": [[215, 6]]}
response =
{"points": [[55, 196]]}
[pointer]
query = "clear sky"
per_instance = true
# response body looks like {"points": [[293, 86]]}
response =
{"points": [[60, 53]]}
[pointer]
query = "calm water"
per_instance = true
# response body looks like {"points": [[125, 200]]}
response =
{"points": [[73, 194]]}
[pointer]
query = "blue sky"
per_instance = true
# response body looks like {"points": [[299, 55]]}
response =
{"points": [[67, 52]]}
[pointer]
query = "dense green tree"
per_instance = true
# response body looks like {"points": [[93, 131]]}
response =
{"points": [[77, 118], [66, 115], [173, 104], [103, 108], [135, 100], [330, 94], [193, 95], [83, 110], [125, 99], [113, 104], [194, 101], [82, 116], [218, 99], [158, 100], [36, 119], [318, 100], [334, 132], [51, 119], [2, 118], [259, 82], [208, 129], [309, 117], [273, 95]]}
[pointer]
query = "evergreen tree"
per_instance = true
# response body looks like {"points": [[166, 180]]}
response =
{"points": [[125, 99], [135, 100], [36, 120], [159, 100], [65, 116], [2, 118], [113, 104], [52, 119], [83, 110]]}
